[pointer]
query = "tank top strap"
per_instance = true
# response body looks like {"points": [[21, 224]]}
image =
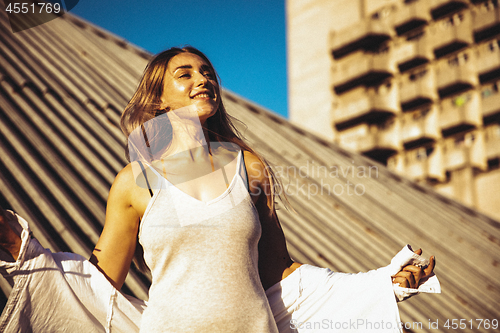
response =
{"points": [[243, 170]]}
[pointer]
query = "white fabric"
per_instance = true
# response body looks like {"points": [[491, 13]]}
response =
{"points": [[314, 299], [63, 292]]}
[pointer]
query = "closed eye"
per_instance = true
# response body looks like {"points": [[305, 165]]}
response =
{"points": [[209, 75]]}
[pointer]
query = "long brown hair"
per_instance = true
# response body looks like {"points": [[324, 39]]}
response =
{"points": [[145, 105]]}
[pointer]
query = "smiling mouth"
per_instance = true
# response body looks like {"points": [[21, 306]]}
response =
{"points": [[206, 94], [201, 96]]}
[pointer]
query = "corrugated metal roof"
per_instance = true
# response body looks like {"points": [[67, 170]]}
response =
{"points": [[63, 85]]}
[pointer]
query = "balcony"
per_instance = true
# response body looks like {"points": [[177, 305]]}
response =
{"points": [[366, 104], [488, 60], [415, 51], [420, 127], [362, 68], [452, 33], [364, 35], [412, 15], [372, 138], [456, 73], [417, 88], [492, 139], [396, 163], [380, 9], [460, 113], [465, 150], [425, 163], [485, 20], [490, 100], [440, 8]]}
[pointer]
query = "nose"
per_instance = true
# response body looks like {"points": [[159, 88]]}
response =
{"points": [[201, 80]]}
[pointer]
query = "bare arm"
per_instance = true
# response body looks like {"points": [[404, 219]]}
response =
{"points": [[274, 261], [115, 249]]}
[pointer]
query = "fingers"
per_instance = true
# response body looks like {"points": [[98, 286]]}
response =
{"points": [[405, 279], [432, 263], [417, 272], [429, 269], [411, 275]]}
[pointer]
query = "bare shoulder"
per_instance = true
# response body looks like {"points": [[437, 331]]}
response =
{"points": [[255, 168], [122, 188], [130, 187], [125, 178]]}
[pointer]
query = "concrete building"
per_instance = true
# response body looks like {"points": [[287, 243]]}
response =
{"points": [[413, 84]]}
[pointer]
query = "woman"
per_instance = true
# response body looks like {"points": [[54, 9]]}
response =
{"points": [[200, 203]]}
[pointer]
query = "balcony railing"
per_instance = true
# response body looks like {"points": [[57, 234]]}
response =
{"points": [[460, 112], [416, 50], [485, 20], [420, 127], [362, 68], [364, 104], [440, 8], [465, 150], [363, 35], [456, 73], [418, 87], [488, 57], [412, 15], [366, 138], [425, 163], [490, 100], [452, 33]]}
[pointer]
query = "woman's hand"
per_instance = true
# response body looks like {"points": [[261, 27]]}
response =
{"points": [[10, 242], [411, 275]]}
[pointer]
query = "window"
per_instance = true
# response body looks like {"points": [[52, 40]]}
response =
{"points": [[383, 13], [489, 90], [493, 45], [469, 139], [492, 133], [459, 141], [417, 75], [416, 36], [453, 62], [458, 60], [489, 5], [451, 21], [421, 154]]}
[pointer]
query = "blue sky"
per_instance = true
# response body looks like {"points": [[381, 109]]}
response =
{"points": [[245, 39]]}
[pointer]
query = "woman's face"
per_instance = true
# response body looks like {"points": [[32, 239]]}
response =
{"points": [[189, 80]]}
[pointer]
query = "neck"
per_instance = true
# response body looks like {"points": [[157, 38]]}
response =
{"points": [[188, 132]]}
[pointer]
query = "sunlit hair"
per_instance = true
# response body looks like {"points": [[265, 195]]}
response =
{"points": [[146, 103]]}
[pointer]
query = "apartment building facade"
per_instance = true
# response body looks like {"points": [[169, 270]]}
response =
{"points": [[413, 84]]}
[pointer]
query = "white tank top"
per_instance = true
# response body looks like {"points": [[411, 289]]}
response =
{"points": [[204, 261]]}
